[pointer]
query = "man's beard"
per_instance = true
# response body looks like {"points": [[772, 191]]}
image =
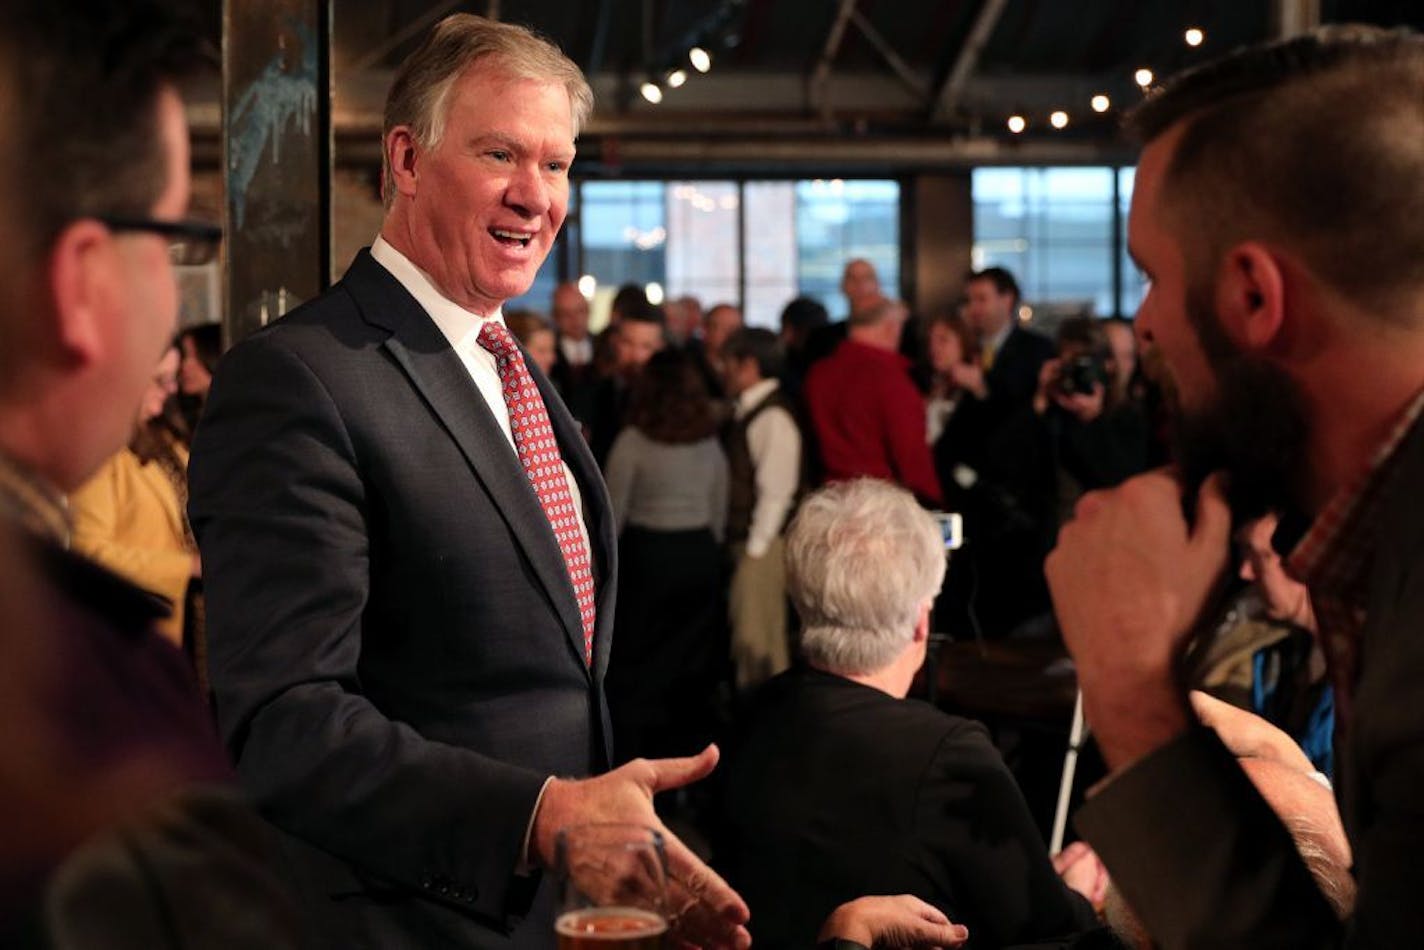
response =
{"points": [[1254, 428]]}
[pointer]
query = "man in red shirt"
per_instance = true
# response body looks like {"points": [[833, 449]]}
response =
{"points": [[868, 417]]}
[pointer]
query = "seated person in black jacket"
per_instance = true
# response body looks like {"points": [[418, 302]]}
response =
{"points": [[839, 787]]}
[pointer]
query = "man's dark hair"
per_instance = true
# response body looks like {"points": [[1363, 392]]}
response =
{"points": [[1315, 144], [84, 79], [1002, 280], [759, 344], [629, 297], [640, 311], [1085, 333], [804, 314]]}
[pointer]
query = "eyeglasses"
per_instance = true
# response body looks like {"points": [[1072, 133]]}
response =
{"points": [[189, 242]]}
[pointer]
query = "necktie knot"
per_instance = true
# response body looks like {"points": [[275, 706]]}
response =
{"points": [[495, 338]]}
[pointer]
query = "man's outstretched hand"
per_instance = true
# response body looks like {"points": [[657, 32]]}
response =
{"points": [[902, 921], [703, 909]]}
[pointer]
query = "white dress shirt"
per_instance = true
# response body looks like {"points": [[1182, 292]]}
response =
{"points": [[577, 352], [775, 445]]}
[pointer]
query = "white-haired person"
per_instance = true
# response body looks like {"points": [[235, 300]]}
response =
{"points": [[840, 787]]}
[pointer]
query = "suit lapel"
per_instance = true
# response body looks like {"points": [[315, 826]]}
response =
{"points": [[422, 351]]}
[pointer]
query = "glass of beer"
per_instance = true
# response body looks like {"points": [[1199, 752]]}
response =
{"points": [[613, 888]]}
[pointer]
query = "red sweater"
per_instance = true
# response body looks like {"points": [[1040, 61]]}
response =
{"points": [[870, 419]]}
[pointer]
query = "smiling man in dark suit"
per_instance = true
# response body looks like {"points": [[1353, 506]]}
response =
{"points": [[411, 550]]}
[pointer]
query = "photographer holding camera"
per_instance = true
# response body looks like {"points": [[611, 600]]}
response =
{"points": [[1077, 434], [1097, 436]]}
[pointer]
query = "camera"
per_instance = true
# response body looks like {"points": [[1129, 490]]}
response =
{"points": [[951, 528], [1078, 376]]}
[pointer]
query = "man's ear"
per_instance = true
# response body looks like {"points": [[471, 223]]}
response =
{"points": [[1250, 295], [401, 155], [922, 622], [83, 275]]}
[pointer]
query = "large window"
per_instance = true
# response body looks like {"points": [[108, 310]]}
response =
{"points": [[754, 243], [1059, 231], [1133, 284], [837, 221]]}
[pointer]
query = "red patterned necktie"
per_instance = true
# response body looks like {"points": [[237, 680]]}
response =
{"points": [[539, 454]]}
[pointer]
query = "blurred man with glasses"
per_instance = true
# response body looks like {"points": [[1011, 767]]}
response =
{"points": [[116, 827]]}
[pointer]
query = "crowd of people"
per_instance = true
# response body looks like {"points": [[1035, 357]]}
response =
{"points": [[324, 642]]}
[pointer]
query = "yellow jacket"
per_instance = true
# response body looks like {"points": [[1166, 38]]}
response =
{"points": [[127, 518]]}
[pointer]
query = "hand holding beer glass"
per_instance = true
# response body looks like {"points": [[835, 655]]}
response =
{"points": [[613, 888]]}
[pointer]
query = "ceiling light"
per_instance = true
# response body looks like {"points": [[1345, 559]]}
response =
{"points": [[701, 59], [1194, 37], [676, 78], [1143, 77], [1101, 103], [654, 293], [652, 92], [1017, 124], [1059, 119], [587, 284]]}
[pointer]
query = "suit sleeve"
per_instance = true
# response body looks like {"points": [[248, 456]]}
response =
{"points": [[1201, 857], [971, 813], [279, 507]]}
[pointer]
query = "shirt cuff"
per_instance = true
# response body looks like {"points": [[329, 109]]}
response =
{"points": [[526, 865]]}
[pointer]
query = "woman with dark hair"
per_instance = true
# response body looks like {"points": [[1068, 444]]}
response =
{"points": [[200, 347], [667, 478]]}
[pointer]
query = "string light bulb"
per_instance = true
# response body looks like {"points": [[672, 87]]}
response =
{"points": [[700, 59], [1194, 37], [676, 78], [652, 92], [1059, 119], [1143, 77], [1101, 103], [1017, 124]]}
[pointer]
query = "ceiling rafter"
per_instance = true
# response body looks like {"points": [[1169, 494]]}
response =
{"points": [[951, 94]]}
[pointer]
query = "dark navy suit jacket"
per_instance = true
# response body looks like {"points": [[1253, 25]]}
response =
{"points": [[396, 650]]}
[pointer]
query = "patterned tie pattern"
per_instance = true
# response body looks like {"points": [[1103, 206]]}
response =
{"points": [[539, 454]]}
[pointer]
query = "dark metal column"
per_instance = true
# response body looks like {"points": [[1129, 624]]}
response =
{"points": [[277, 148]]}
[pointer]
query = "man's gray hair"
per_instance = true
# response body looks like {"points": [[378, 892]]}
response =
{"points": [[861, 557], [419, 96], [887, 309]]}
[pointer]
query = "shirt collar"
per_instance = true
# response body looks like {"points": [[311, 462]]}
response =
{"points": [[460, 326], [33, 503], [753, 395], [997, 340], [576, 351], [1331, 558]]}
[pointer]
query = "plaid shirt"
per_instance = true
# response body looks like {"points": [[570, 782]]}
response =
{"points": [[33, 505], [1333, 560]]}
